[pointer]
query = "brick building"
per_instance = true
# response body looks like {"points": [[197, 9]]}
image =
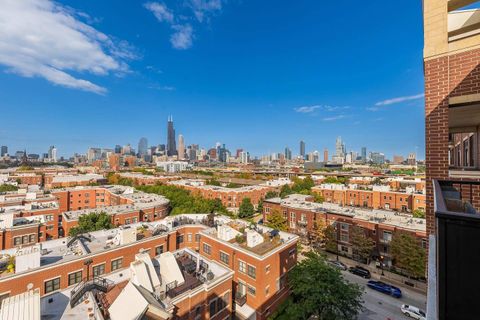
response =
{"points": [[247, 276], [303, 215], [37, 217], [378, 197]]}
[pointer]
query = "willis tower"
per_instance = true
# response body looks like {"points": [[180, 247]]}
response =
{"points": [[171, 144]]}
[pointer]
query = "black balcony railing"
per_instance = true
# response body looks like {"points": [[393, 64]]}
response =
{"points": [[96, 283], [457, 249]]}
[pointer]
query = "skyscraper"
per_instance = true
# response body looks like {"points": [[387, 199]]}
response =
{"points": [[4, 151], [181, 147], [364, 154], [142, 147], [171, 144], [288, 153], [302, 149], [52, 154], [325, 155]]}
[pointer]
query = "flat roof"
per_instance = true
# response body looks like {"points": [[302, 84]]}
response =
{"points": [[24, 306]]}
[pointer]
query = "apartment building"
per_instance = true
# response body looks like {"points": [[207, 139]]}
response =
{"points": [[183, 267], [452, 122], [52, 181], [375, 197], [230, 197], [147, 180], [31, 218], [303, 215]]}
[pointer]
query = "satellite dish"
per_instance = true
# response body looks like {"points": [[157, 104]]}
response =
{"points": [[30, 286]]}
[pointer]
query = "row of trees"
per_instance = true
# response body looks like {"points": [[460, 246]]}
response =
{"points": [[301, 186], [7, 187], [92, 221]]}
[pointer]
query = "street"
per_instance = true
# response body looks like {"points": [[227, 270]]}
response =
{"points": [[379, 306]]}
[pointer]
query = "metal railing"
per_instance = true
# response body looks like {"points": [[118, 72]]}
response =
{"points": [[84, 286], [457, 249], [240, 298]]}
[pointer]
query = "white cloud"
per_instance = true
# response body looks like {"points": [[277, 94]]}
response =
{"points": [[338, 117], [306, 109], [40, 38], [399, 99], [202, 8], [160, 11], [182, 38], [157, 86]]}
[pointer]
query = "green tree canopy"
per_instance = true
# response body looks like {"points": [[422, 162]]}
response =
{"points": [[408, 254], [246, 209], [92, 222], [321, 291], [362, 245], [271, 194], [330, 235], [418, 213], [276, 220], [8, 187], [182, 201]]}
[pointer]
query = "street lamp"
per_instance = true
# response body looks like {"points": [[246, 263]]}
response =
{"points": [[381, 264], [336, 238]]}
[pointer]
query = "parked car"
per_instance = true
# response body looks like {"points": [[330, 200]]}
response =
{"points": [[359, 271], [385, 288], [413, 312], [338, 265]]}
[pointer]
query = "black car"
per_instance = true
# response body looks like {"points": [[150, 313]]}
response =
{"points": [[359, 271]]}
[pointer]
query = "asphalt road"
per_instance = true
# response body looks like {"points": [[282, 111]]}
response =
{"points": [[379, 306]]}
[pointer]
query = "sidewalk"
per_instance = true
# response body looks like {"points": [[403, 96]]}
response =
{"points": [[388, 276]]}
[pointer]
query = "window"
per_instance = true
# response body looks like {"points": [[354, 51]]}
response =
{"points": [[74, 277], [134, 220], [344, 227], [159, 250], [267, 290], [179, 240], [189, 237], [197, 237], [213, 308], [31, 238], [49, 217], [292, 252], [344, 237], [387, 236], [267, 269], [207, 249], [251, 290], [17, 241], [116, 264], [224, 257], [252, 272], [98, 270], [50, 226], [127, 221], [242, 267], [52, 285]]}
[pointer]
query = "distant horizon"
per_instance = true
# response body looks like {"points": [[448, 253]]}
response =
{"points": [[261, 86]]}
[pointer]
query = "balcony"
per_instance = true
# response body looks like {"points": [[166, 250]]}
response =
{"points": [[455, 252], [240, 298]]}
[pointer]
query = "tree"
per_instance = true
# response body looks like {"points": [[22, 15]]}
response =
{"points": [[8, 187], [276, 220], [271, 194], [331, 243], [285, 191], [362, 245], [320, 291], [246, 209], [408, 254], [260, 206], [418, 213], [92, 221], [318, 232]]}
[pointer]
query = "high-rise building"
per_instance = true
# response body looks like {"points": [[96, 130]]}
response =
{"points": [[412, 159], [94, 154], [377, 158], [302, 149], [181, 147], [397, 159], [244, 157], [52, 154], [142, 147], [325, 155], [4, 151], [171, 143], [118, 148], [364, 154], [288, 153]]}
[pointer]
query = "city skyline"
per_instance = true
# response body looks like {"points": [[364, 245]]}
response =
{"points": [[316, 94]]}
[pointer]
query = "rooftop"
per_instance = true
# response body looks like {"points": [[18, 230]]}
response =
{"points": [[392, 218]]}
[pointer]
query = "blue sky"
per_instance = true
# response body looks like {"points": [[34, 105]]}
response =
{"points": [[258, 75]]}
